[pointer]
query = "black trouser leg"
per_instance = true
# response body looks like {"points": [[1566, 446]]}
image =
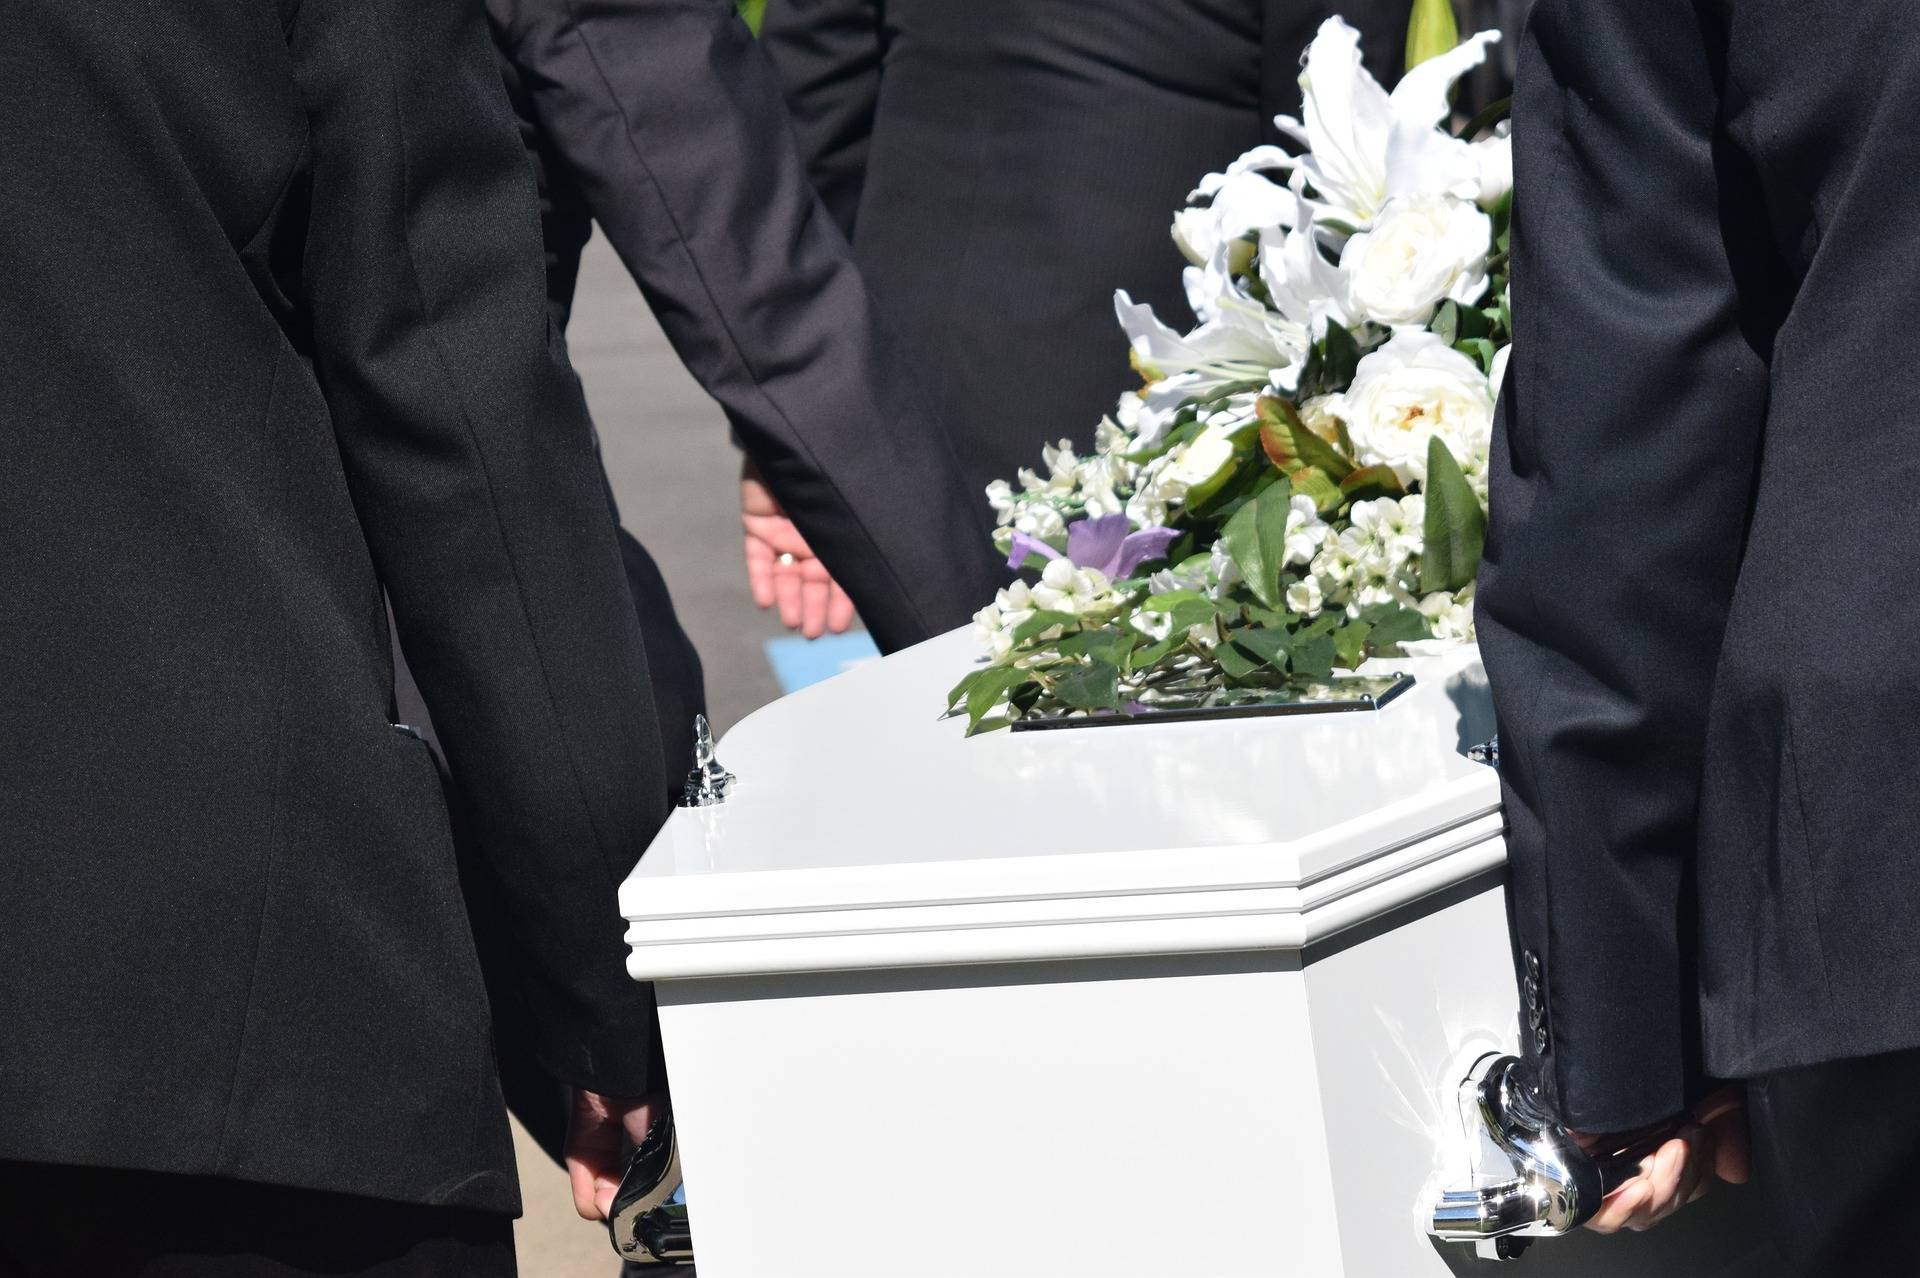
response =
{"points": [[1837, 1162], [83, 1222]]}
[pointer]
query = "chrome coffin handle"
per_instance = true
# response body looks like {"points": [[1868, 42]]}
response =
{"points": [[707, 783], [1543, 1183], [648, 1223]]}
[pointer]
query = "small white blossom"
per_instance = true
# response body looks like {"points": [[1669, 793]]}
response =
{"points": [[1040, 520], [993, 625], [1065, 588], [1449, 615], [1396, 528], [1305, 598], [1306, 531], [1154, 625]]}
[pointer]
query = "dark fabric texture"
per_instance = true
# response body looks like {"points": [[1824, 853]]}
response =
{"points": [[87, 1222], [1706, 705], [1004, 165], [663, 124], [1836, 1158], [274, 335]]}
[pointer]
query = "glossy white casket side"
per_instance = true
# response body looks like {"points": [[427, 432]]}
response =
{"points": [[1176, 999]]}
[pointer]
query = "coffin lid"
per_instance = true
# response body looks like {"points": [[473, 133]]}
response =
{"points": [[864, 831]]}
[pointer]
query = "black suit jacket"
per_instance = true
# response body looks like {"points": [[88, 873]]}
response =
{"points": [[274, 333], [1698, 596], [1004, 165], [663, 123]]}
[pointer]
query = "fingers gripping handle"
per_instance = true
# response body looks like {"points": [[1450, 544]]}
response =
{"points": [[1542, 1182]]}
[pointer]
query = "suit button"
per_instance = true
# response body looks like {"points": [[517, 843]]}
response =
{"points": [[1540, 1039], [1533, 965]]}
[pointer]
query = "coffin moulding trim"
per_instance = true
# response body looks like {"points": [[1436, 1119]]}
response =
{"points": [[1029, 928]]}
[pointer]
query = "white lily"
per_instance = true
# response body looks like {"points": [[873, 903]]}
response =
{"points": [[1302, 285], [1244, 344], [1365, 145], [1242, 202]]}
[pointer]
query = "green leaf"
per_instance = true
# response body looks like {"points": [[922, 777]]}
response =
{"points": [[1291, 446], [1473, 323], [1456, 527], [1149, 655], [1094, 686], [1274, 647], [1394, 625], [1343, 356], [1039, 623], [1370, 482], [1479, 350], [1313, 482], [993, 684], [1256, 540], [1446, 322], [1183, 608], [1324, 624], [1105, 644], [1350, 644], [1313, 657], [1489, 116], [1235, 663], [960, 689]]}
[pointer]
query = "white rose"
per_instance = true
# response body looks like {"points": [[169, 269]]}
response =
{"points": [[1419, 253], [1318, 416], [1412, 390]]}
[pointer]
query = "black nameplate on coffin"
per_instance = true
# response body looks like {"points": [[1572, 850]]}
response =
{"points": [[1289, 696]]}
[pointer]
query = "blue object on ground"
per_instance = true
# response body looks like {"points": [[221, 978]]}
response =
{"points": [[798, 663]]}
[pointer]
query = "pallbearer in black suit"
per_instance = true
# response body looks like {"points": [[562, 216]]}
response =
{"points": [[1004, 165], [274, 330], [663, 124], [1698, 600]]}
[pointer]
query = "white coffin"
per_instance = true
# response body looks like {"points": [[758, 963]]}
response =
{"points": [[1171, 999]]}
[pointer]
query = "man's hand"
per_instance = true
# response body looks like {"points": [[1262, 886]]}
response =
{"points": [[598, 1134], [782, 568], [1714, 1145]]}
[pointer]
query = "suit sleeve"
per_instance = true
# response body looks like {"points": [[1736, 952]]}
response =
{"points": [[827, 55], [467, 450], [668, 115], [1623, 463]]}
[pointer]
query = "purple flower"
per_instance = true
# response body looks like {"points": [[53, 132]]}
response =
{"points": [[1103, 544]]}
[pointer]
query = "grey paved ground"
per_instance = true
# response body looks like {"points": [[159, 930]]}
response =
{"points": [[675, 474]]}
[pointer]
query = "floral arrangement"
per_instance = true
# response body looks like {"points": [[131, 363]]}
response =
{"points": [[1300, 483]]}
